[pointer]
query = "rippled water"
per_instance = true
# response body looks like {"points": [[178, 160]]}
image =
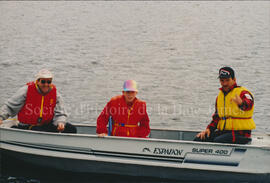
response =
{"points": [[172, 49]]}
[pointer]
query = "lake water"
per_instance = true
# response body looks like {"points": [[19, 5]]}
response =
{"points": [[172, 49]]}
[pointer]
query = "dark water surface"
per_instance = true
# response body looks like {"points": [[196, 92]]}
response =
{"points": [[173, 50]]}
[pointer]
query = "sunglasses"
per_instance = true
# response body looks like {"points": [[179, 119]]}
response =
{"points": [[46, 81]]}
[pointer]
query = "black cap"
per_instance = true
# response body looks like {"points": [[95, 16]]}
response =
{"points": [[226, 72]]}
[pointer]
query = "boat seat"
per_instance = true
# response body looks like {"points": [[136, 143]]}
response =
{"points": [[260, 139]]}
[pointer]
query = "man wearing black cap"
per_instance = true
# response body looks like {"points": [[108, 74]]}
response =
{"points": [[232, 121]]}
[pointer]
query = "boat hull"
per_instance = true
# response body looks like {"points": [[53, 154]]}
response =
{"points": [[77, 166], [167, 154], [97, 167]]}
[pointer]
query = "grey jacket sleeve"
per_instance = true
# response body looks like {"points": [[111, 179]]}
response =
{"points": [[14, 104], [60, 114]]}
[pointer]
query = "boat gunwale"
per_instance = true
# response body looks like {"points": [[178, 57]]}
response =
{"points": [[139, 139]]}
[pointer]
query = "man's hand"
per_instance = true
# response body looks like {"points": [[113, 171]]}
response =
{"points": [[202, 134], [102, 135], [237, 99], [60, 127]]}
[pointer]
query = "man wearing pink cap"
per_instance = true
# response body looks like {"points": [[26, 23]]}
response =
{"points": [[128, 114]]}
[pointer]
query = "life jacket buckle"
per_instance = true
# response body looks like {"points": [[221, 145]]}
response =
{"points": [[39, 120]]}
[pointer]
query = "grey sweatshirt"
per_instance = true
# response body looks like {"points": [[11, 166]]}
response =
{"points": [[14, 104]]}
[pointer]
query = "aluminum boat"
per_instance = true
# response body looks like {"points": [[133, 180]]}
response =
{"points": [[166, 154]]}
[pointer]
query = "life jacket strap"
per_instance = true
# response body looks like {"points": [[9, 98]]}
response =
{"points": [[124, 125], [230, 117]]}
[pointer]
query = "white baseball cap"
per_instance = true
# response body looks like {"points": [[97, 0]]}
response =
{"points": [[44, 73]]}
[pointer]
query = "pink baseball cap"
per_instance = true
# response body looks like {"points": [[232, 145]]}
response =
{"points": [[130, 85]]}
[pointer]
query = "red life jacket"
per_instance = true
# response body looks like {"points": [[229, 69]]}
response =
{"points": [[127, 121], [38, 109]]}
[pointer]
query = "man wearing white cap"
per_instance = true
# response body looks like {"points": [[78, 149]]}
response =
{"points": [[39, 106], [128, 115]]}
